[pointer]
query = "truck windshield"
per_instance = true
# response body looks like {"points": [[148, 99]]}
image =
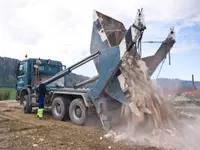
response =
{"points": [[49, 69]]}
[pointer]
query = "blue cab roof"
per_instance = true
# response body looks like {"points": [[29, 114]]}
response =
{"points": [[42, 60]]}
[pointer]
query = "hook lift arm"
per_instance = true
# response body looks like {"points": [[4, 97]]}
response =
{"points": [[153, 61]]}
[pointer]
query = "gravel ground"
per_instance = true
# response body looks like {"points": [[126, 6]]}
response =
{"points": [[20, 131]]}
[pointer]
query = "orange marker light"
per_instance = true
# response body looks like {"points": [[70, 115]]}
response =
{"points": [[26, 56]]}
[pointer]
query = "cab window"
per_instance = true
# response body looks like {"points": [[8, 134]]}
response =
{"points": [[49, 69], [21, 69]]}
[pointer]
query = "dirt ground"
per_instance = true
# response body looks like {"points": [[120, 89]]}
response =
{"points": [[20, 131]]}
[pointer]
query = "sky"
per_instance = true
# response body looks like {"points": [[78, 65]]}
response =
{"points": [[61, 30]]}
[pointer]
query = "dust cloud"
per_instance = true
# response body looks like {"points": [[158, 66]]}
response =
{"points": [[150, 120]]}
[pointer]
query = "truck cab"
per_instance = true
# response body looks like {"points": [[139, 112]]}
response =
{"points": [[26, 76]]}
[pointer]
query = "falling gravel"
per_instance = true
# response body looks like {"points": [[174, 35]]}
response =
{"points": [[147, 100], [150, 120]]}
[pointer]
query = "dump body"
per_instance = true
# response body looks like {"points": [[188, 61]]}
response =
{"points": [[110, 37]]}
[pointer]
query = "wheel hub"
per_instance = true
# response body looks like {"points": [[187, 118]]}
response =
{"points": [[24, 104], [58, 109], [78, 112]]}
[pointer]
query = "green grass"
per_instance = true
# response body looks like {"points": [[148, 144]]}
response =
{"points": [[12, 92]]}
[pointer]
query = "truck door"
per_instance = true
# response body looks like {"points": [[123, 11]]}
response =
{"points": [[22, 76]]}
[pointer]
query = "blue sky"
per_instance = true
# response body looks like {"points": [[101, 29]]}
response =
{"points": [[61, 30], [186, 62]]}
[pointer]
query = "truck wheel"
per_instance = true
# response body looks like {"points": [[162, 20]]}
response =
{"points": [[60, 108], [27, 105], [77, 112]]}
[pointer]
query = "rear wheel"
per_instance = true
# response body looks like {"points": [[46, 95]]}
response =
{"points": [[60, 108], [77, 112]]}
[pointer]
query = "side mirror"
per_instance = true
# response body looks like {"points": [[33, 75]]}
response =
{"points": [[15, 73], [64, 67], [17, 70]]}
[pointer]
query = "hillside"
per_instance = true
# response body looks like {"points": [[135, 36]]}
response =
{"points": [[176, 85], [8, 66]]}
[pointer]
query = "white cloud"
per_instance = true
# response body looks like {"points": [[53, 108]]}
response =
{"points": [[185, 46], [62, 29]]}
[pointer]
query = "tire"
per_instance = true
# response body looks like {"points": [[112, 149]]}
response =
{"points": [[82, 110], [17, 96], [60, 108], [22, 99], [26, 105]]}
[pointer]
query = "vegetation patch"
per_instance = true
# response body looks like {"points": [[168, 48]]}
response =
{"points": [[7, 94]]}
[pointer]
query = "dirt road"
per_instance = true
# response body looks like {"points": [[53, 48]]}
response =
{"points": [[20, 131]]}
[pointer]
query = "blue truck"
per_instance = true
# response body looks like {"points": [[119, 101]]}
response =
{"points": [[110, 43]]}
